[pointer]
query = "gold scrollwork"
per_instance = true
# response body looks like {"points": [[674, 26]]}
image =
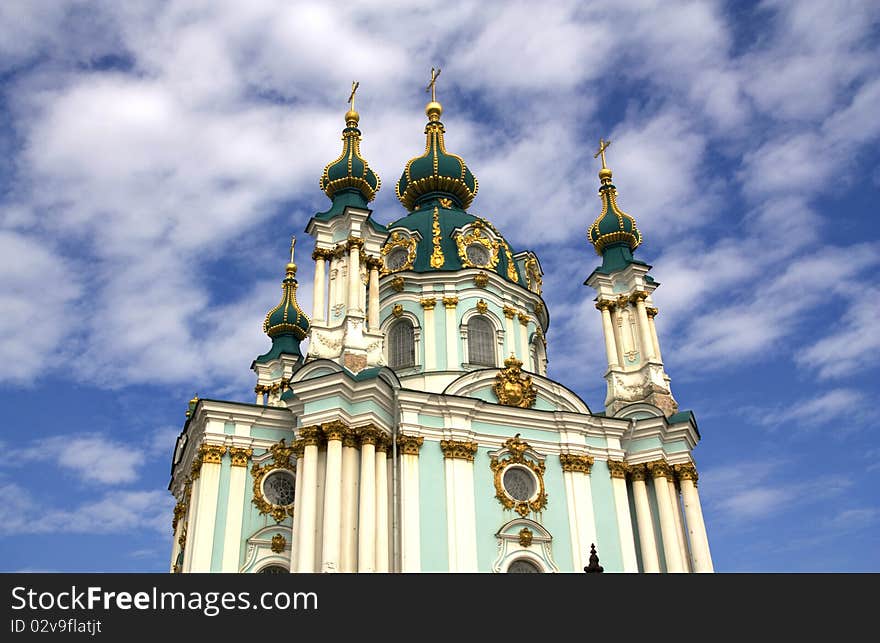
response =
{"points": [[279, 543], [482, 307], [179, 512], [437, 258], [509, 312], [397, 310], [456, 450], [617, 469], [409, 444], [450, 302], [660, 469], [516, 449], [481, 280], [513, 387], [477, 236], [397, 283], [533, 275], [686, 471], [398, 240], [428, 303], [525, 537], [240, 456], [281, 454]]}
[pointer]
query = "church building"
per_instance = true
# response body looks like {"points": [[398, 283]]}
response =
{"points": [[419, 431]]}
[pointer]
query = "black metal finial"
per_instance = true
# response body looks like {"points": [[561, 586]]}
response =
{"points": [[594, 567]]}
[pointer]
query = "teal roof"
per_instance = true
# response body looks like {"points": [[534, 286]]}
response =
{"points": [[283, 344], [286, 324], [350, 170], [436, 173], [344, 199], [449, 220], [613, 226]]}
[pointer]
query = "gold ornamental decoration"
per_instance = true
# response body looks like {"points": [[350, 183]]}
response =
{"points": [[279, 542], [477, 236], [513, 387], [517, 453], [281, 459], [525, 537], [398, 240], [437, 258]]}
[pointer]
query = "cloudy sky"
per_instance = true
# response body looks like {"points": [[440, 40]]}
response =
{"points": [[157, 156]]}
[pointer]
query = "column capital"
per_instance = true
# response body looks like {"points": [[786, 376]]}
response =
{"points": [[617, 468], [523, 319], [660, 469], [179, 511], [652, 312], [450, 302], [409, 444], [456, 450], [354, 242], [604, 304], [373, 263], [428, 303], [322, 254], [310, 435], [509, 312], [539, 308], [368, 434], [382, 443], [622, 302], [350, 439], [576, 463], [638, 295], [298, 448], [339, 250], [686, 471], [334, 430], [638, 472], [212, 453], [240, 456]]}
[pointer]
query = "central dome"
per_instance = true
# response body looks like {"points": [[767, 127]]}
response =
{"points": [[436, 173]]}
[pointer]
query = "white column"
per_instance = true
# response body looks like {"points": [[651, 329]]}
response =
{"points": [[460, 510], [660, 470], [307, 503], [367, 513], [258, 389], [509, 334], [679, 526], [617, 321], [373, 320], [644, 329], [687, 475], [523, 337], [235, 509], [647, 543], [354, 276], [320, 307], [654, 334], [382, 554], [582, 520], [333, 288], [608, 329], [624, 520], [298, 490], [332, 515], [428, 303], [452, 360], [209, 486], [410, 531], [350, 485]]}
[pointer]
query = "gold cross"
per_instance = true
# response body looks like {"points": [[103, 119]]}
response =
{"points": [[432, 85], [354, 88], [292, 244], [603, 145]]}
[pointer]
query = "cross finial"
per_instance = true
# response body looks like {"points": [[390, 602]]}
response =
{"points": [[292, 244], [354, 88], [432, 86], [603, 145]]}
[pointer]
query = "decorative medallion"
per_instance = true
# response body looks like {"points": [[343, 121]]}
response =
{"points": [[512, 466], [476, 249], [279, 543], [398, 253], [281, 490], [525, 537], [482, 307], [397, 310], [513, 387], [481, 280], [397, 283]]}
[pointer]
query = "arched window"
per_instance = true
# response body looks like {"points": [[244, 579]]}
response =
{"points": [[401, 345], [523, 566], [481, 341], [273, 569]]}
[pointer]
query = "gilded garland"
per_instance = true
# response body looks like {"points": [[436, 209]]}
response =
{"points": [[516, 454], [477, 236], [281, 459], [513, 387]]}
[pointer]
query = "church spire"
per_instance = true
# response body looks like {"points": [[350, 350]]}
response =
{"points": [[349, 173], [436, 173], [614, 233], [286, 323]]}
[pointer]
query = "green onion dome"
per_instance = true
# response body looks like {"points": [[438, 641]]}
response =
{"points": [[287, 318], [350, 171], [613, 227], [436, 173]]}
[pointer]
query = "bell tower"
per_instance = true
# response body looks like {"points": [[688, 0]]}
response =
{"points": [[624, 288]]}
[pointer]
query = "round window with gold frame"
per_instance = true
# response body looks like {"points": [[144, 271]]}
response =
{"points": [[278, 487]]}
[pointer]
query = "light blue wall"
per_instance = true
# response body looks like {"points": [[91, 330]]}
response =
{"points": [[431, 421], [440, 334], [220, 515], [332, 402], [555, 516], [490, 515], [605, 513], [525, 434], [272, 434], [643, 444], [432, 508], [252, 521], [229, 428]]}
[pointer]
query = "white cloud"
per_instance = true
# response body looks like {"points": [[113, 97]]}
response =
{"points": [[113, 513], [92, 458], [842, 406]]}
